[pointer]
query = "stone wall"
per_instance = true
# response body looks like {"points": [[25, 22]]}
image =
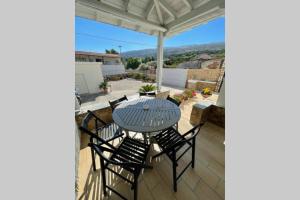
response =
{"points": [[204, 74], [203, 84], [217, 115], [212, 113]]}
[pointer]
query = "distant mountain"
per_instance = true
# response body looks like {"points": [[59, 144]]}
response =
{"points": [[175, 50]]}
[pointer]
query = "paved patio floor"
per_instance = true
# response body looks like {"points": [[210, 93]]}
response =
{"points": [[128, 87]]}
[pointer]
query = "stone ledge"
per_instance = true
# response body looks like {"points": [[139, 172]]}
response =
{"points": [[208, 112]]}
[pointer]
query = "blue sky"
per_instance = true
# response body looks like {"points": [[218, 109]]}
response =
{"points": [[95, 36]]}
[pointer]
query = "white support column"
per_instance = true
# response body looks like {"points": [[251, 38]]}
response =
{"points": [[221, 98], [160, 57]]}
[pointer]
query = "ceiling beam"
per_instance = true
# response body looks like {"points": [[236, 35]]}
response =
{"points": [[158, 11], [189, 4], [150, 7], [196, 13], [119, 14], [168, 9], [203, 20]]}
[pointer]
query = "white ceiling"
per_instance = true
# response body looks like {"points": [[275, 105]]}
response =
{"points": [[150, 16]]}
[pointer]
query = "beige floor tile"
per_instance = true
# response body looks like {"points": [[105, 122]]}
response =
{"points": [[191, 178], [220, 189], [151, 178], [184, 192], [162, 192], [204, 192], [144, 192], [207, 175], [216, 168]]}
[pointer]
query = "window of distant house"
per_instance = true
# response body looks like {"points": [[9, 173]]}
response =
{"points": [[98, 60]]}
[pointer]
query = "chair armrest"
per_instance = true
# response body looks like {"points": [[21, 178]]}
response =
{"points": [[192, 131]]}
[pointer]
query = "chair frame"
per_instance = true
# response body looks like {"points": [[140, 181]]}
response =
{"points": [[115, 103], [106, 161], [177, 103], [173, 100], [188, 138], [97, 120]]}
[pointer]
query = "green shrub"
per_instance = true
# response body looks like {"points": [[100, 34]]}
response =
{"points": [[137, 76], [133, 63], [178, 97], [144, 77], [188, 93], [147, 88]]}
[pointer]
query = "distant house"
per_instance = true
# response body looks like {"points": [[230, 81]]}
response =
{"points": [[106, 59], [203, 57], [88, 63]]}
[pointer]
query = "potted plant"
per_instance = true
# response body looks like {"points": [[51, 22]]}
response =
{"points": [[206, 92], [148, 88], [178, 97], [104, 86], [194, 93]]}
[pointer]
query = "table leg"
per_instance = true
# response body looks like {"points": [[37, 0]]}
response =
{"points": [[127, 133]]}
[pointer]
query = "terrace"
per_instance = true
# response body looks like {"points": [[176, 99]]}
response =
{"points": [[206, 180]]}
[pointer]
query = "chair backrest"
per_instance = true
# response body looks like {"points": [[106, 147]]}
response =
{"points": [[151, 94], [92, 132], [115, 103], [143, 94], [173, 100], [191, 134]]}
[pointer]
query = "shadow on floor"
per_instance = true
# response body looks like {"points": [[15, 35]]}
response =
{"points": [[91, 97]]}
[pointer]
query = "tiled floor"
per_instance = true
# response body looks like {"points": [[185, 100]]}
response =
{"points": [[206, 181]]}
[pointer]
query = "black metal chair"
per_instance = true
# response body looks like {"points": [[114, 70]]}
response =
{"points": [[107, 131], [148, 94], [115, 103], [178, 104], [171, 141], [173, 100], [130, 155]]}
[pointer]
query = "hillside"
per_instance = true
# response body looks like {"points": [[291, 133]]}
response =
{"points": [[175, 50]]}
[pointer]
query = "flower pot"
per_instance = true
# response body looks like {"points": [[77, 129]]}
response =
{"points": [[206, 95], [105, 91]]}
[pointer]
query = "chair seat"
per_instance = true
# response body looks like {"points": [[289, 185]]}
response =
{"points": [[131, 150], [109, 131], [168, 138]]}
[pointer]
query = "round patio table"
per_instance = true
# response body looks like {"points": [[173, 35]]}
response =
{"points": [[146, 115]]}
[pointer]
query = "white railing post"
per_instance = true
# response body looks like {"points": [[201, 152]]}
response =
{"points": [[160, 57]]}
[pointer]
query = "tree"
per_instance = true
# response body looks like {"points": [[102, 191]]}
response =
{"points": [[144, 67], [133, 63], [112, 51]]}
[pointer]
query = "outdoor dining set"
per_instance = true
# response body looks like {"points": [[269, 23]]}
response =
{"points": [[156, 120]]}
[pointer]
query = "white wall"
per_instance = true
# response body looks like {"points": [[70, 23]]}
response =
{"points": [[113, 69], [174, 77], [88, 76], [77, 152]]}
